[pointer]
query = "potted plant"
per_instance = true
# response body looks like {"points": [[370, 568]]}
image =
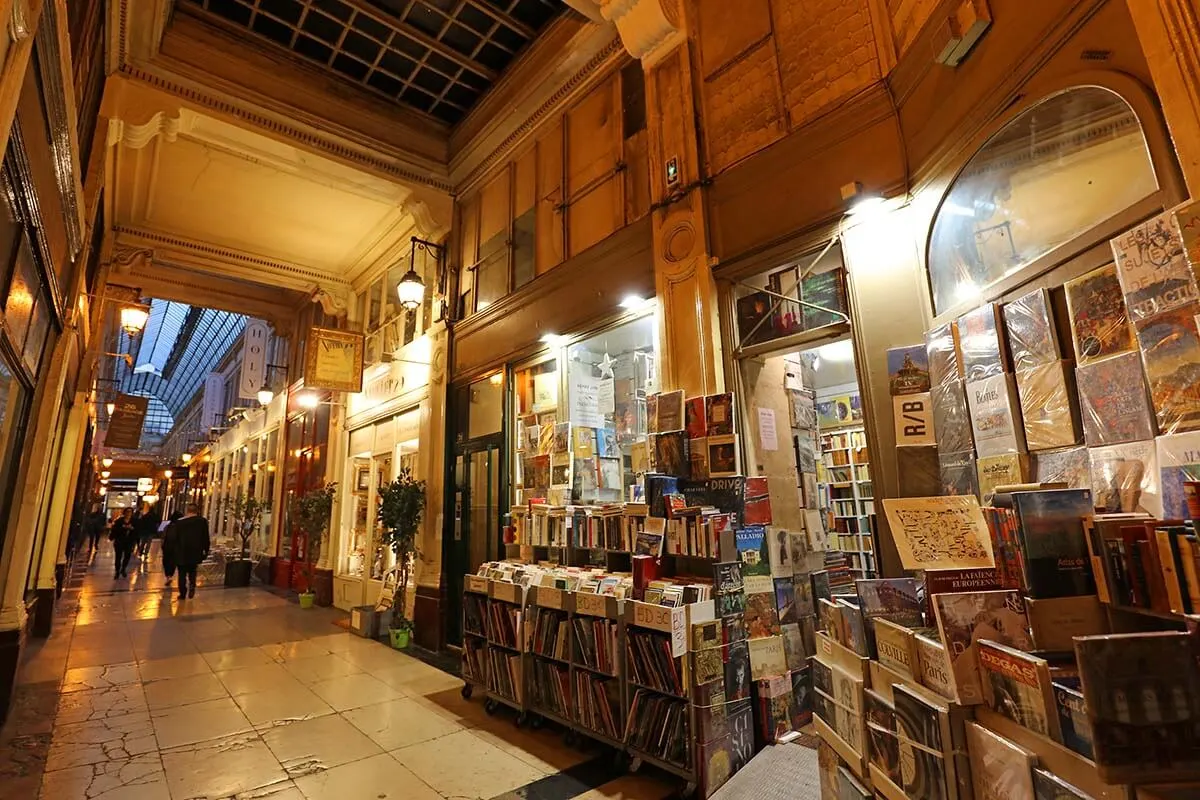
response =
{"points": [[312, 512], [246, 512], [401, 505]]}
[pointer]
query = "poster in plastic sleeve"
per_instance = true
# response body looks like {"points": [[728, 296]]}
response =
{"points": [[980, 343], [993, 404], [1004, 470], [1046, 407], [1099, 321], [920, 474], [908, 370], [1178, 461], [1113, 402], [958, 475], [942, 354], [1187, 220], [1030, 327], [1125, 478], [1170, 346], [1153, 269], [939, 532], [1070, 465], [951, 419]]}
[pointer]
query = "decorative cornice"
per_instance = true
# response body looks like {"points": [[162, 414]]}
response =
{"points": [[553, 103], [138, 136], [645, 25]]}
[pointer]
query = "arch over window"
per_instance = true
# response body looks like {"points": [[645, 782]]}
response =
{"points": [[1071, 161]]}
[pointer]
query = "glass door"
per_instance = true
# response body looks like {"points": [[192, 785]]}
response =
{"points": [[475, 524]]}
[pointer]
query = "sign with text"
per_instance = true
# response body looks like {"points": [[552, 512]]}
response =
{"points": [[913, 414], [256, 336], [665, 619], [334, 360], [584, 395], [213, 404], [125, 425]]}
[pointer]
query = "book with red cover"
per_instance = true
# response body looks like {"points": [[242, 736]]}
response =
{"points": [[695, 417], [757, 502]]}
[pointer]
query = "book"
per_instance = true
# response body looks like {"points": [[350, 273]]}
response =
{"points": [[895, 599], [1029, 323], [752, 549], [1170, 344], [1178, 461], [957, 472], [719, 414], [1054, 546], [895, 647], [767, 657], [1072, 716], [849, 788], [779, 552], [794, 651], [919, 471], [921, 745], [670, 411], [884, 747], [1008, 469], [695, 418], [671, 454], [707, 643], [908, 370], [722, 456], [823, 290], [1142, 695], [802, 709], [980, 344], [1099, 320], [999, 768], [965, 618], [1046, 407], [761, 616], [1017, 685], [1070, 466], [941, 350], [854, 627], [1048, 786], [737, 670], [1125, 478], [993, 404], [1153, 268], [934, 665], [951, 417], [1113, 402], [774, 700]]}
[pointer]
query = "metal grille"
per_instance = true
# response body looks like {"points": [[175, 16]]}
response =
{"points": [[437, 56]]}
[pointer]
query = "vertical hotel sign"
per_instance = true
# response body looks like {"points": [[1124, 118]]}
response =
{"points": [[254, 358], [213, 404], [125, 425]]}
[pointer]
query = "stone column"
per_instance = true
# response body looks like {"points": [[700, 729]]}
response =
{"points": [[689, 331], [1169, 32]]}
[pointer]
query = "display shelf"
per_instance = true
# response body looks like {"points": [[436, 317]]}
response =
{"points": [[846, 493], [475, 600]]}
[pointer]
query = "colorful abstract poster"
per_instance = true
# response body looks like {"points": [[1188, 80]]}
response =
{"points": [[1099, 322], [1170, 346], [1113, 401], [1153, 268]]}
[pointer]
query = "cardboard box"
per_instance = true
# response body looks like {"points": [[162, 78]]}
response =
{"points": [[1056, 621]]}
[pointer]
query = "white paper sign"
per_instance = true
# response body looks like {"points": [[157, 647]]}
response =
{"points": [[608, 397], [585, 400], [768, 437]]}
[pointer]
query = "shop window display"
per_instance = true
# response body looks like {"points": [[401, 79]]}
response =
{"points": [[803, 296], [1072, 160]]}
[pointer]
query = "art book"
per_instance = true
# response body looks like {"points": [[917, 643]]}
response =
{"points": [[941, 348], [939, 532], [671, 454], [722, 456], [919, 730], [719, 412], [707, 642], [767, 657], [793, 646], [993, 403], [1048, 786], [1178, 461], [1099, 321], [908, 370], [1113, 401], [1032, 340], [785, 601], [1046, 391], [1153, 268], [951, 417], [894, 599], [1009, 469], [1017, 685], [1142, 694], [1071, 466], [1053, 543], [964, 619], [1072, 716], [1170, 346], [762, 617], [1125, 478], [958, 473], [980, 343], [1000, 768], [920, 472], [670, 411], [695, 418]]}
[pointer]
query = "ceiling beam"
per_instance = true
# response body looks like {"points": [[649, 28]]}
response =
{"points": [[423, 39], [506, 19]]}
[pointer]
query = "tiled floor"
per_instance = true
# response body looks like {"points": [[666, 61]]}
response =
{"points": [[239, 693]]}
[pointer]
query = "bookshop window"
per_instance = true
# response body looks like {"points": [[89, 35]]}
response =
{"points": [[485, 415], [535, 403], [805, 295], [1070, 162]]}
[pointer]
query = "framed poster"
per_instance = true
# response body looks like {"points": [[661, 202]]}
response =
{"points": [[334, 360]]}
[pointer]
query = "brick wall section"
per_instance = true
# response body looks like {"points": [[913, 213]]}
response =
{"points": [[827, 51], [744, 107], [908, 16]]}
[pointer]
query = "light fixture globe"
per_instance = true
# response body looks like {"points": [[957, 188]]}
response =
{"points": [[265, 395], [411, 290], [133, 319], [309, 400], [110, 408], [106, 462], [186, 458], [104, 473], [167, 474]]}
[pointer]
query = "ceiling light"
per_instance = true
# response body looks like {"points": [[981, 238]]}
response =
{"points": [[105, 473], [133, 319], [110, 408], [496, 379], [866, 206], [308, 400], [106, 462], [410, 290], [265, 395], [104, 481], [186, 458], [633, 302], [167, 474], [551, 339], [838, 352]]}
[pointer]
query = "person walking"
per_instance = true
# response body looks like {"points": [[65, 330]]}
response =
{"points": [[169, 544], [189, 548], [146, 526], [124, 538], [96, 523]]}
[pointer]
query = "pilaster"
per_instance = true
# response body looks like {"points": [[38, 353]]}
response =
{"points": [[1169, 32], [425, 594]]}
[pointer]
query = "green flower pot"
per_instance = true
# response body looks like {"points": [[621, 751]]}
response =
{"points": [[399, 638], [307, 599]]}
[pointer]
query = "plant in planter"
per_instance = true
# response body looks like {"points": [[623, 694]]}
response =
{"points": [[311, 512], [401, 504], [246, 512]]}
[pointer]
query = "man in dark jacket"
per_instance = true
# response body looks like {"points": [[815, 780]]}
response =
{"points": [[189, 547], [124, 538]]}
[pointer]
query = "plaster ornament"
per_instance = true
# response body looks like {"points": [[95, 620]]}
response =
{"points": [[334, 302]]}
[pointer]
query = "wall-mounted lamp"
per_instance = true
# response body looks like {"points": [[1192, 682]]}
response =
{"points": [[106, 462], [167, 474], [309, 400], [186, 458], [105, 473], [110, 408], [134, 318]]}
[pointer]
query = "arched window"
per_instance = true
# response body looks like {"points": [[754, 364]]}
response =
{"points": [[1071, 161]]}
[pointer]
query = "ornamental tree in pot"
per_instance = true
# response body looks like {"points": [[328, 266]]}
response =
{"points": [[311, 512], [401, 505], [246, 512]]}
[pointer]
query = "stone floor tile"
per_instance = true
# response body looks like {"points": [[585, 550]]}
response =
{"points": [[282, 705], [137, 778], [96, 741], [235, 658], [176, 667], [227, 769], [353, 691], [319, 668], [398, 723], [314, 745], [91, 704], [100, 677], [200, 722], [261, 678], [379, 777], [171, 692], [440, 763]]}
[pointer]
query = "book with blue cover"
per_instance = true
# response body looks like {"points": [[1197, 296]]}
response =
{"points": [[1052, 539], [1072, 716], [751, 544]]}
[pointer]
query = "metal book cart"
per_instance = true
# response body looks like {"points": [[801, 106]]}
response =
{"points": [[603, 611], [507, 649], [474, 628]]}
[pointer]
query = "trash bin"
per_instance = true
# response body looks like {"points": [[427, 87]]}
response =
{"points": [[368, 623]]}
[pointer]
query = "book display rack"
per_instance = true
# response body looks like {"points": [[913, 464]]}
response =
{"points": [[506, 651]]}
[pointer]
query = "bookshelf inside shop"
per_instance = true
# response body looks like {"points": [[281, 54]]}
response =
{"points": [[847, 494]]}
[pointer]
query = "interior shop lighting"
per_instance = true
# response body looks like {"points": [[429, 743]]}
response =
{"points": [[497, 379], [106, 462], [552, 339], [633, 302]]}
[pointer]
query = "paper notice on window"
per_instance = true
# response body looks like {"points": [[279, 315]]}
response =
{"points": [[768, 435], [607, 397], [584, 397]]}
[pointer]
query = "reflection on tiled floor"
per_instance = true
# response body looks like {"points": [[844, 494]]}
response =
{"points": [[238, 693]]}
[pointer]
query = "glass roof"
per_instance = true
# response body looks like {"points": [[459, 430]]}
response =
{"points": [[175, 352]]}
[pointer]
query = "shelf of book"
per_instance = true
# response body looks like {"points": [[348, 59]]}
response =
{"points": [[474, 615], [507, 645], [846, 492]]}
